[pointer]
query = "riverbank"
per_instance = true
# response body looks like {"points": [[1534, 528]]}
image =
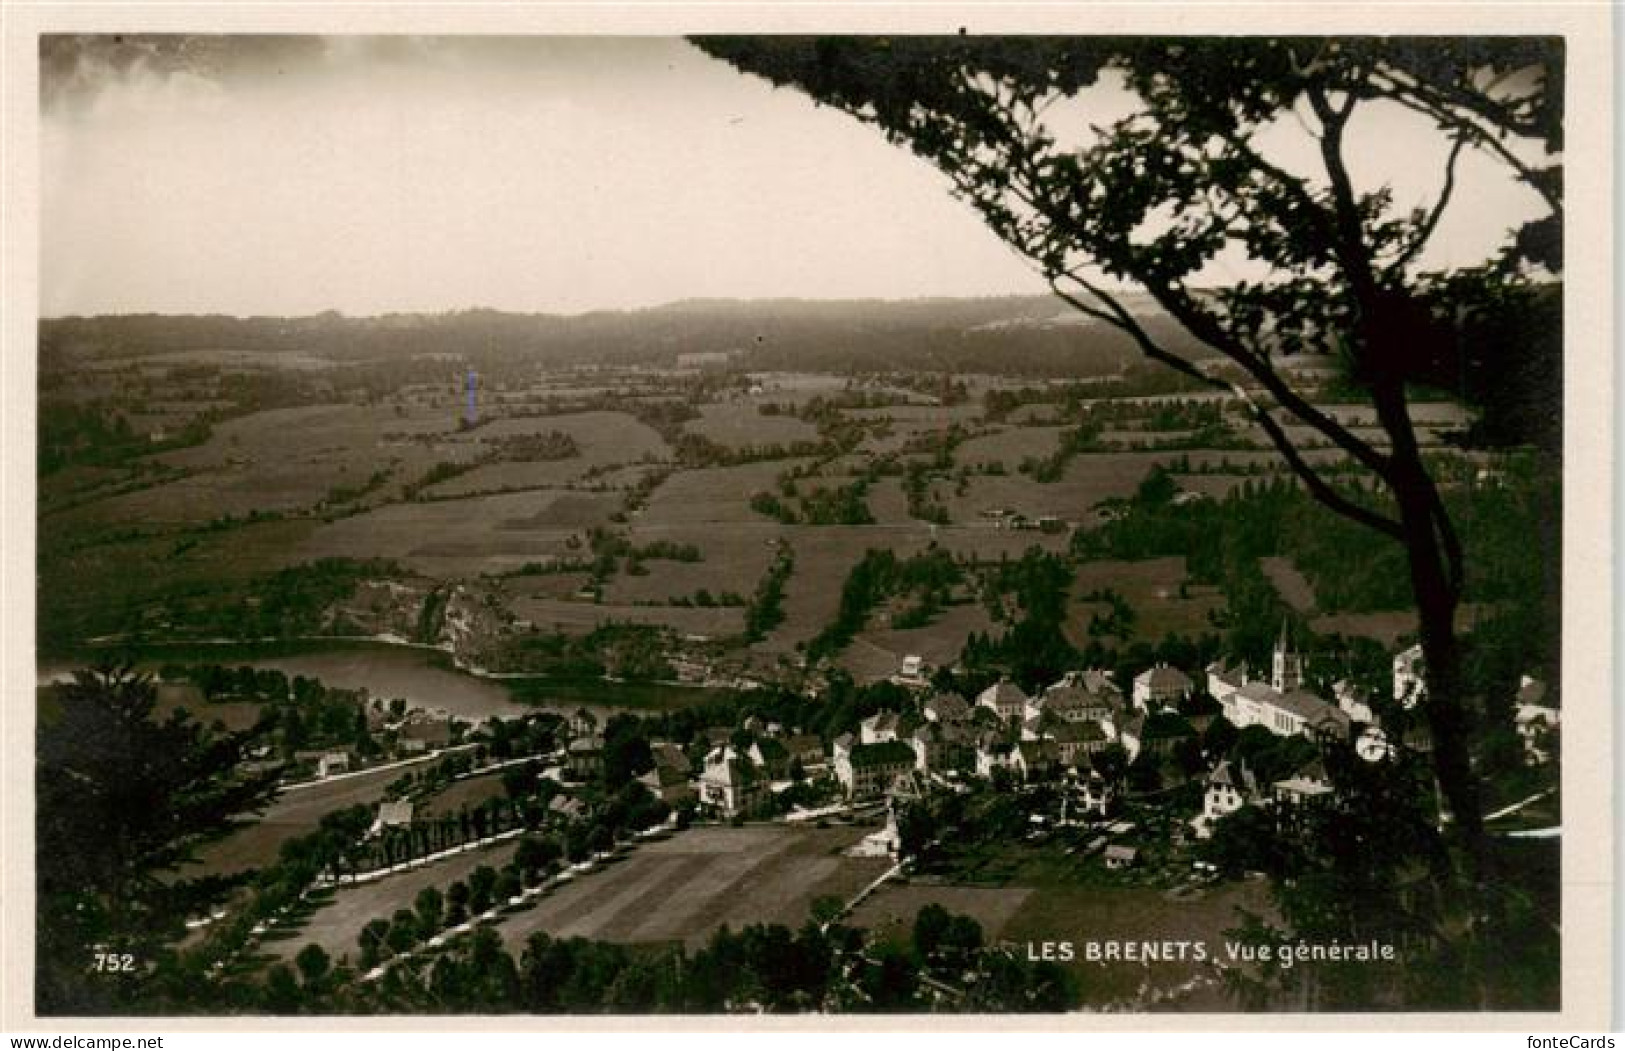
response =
{"points": [[423, 675]]}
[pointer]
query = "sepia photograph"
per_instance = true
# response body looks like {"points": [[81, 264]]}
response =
{"points": [[542, 524]]}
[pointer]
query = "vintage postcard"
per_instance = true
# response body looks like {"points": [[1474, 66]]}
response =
{"points": [[652, 514]]}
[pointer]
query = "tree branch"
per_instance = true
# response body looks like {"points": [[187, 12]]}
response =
{"points": [[1425, 231], [1116, 314]]}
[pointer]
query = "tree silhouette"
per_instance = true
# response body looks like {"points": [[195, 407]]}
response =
{"points": [[122, 801], [1187, 182]]}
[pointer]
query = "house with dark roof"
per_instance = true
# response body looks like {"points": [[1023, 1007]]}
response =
{"points": [[946, 708], [1119, 856], [1075, 742], [668, 784], [1161, 686], [880, 727], [1036, 760], [769, 755], [867, 770], [425, 732], [808, 749], [1005, 699], [586, 757], [1162, 730], [1071, 701]]}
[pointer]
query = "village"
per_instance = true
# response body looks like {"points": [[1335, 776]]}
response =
{"points": [[1083, 749]]}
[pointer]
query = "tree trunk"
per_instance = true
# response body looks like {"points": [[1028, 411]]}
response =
{"points": [[1436, 600]]}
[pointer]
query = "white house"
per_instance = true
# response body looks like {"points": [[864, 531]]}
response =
{"points": [[1408, 672], [1161, 686], [1535, 720], [1284, 714], [880, 727], [946, 708], [730, 781], [1006, 699], [1229, 788]]}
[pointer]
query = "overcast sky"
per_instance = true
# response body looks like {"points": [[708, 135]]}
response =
{"points": [[250, 175]]}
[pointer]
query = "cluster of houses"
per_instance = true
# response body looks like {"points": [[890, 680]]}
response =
{"points": [[1006, 733], [417, 732]]}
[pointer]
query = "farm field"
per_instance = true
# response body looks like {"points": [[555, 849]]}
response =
{"points": [[733, 559], [683, 888], [878, 653], [582, 617], [450, 538], [892, 909], [712, 495], [292, 814], [1293, 587], [1152, 588], [468, 792], [824, 556], [232, 716], [605, 439], [337, 926], [1089, 478], [739, 423]]}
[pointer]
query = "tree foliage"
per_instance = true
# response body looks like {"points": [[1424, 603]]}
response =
{"points": [[1186, 182], [122, 798]]}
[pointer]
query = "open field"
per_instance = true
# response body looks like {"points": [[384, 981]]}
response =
{"points": [[337, 926], [1010, 446], [683, 888], [824, 557], [733, 558], [469, 792], [1153, 589], [1293, 587], [292, 814], [582, 617], [1089, 479], [289, 459], [605, 440], [451, 538], [713, 494], [893, 907], [878, 653], [738, 423], [232, 716]]}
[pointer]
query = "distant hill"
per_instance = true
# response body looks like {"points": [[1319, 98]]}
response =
{"points": [[1013, 335]]}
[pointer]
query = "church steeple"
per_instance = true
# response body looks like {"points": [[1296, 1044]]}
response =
{"points": [[1286, 667]]}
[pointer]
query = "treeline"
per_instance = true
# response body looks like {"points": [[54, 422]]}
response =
{"points": [[292, 601], [881, 575], [627, 651], [942, 966], [766, 609], [98, 435], [1008, 336]]}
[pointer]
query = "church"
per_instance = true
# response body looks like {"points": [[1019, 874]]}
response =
{"points": [[1281, 705]]}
